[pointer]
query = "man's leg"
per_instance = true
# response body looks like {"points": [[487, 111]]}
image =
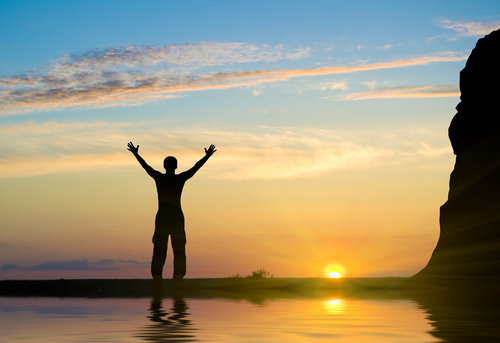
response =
{"points": [[179, 248], [160, 242]]}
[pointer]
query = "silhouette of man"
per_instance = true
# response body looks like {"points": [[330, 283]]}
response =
{"points": [[169, 218]]}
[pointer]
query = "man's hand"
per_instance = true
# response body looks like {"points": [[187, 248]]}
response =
{"points": [[209, 152], [133, 149]]}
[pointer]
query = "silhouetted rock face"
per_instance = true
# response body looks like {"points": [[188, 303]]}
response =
{"points": [[468, 250], [478, 110]]}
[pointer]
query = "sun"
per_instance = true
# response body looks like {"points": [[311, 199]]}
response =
{"points": [[334, 275], [334, 271]]}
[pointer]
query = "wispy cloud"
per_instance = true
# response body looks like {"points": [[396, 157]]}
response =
{"points": [[127, 75], [370, 84], [298, 54], [330, 47], [427, 150], [135, 75], [80, 265], [333, 85], [402, 92], [265, 153], [470, 28]]}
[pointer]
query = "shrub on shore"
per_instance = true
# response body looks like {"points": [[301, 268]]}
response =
{"points": [[256, 274]]}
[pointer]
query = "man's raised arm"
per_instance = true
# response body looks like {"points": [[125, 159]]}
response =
{"points": [[208, 152], [135, 150]]}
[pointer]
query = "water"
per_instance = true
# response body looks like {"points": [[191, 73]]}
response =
{"points": [[366, 319]]}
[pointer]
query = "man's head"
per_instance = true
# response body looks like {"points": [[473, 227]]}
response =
{"points": [[170, 163]]}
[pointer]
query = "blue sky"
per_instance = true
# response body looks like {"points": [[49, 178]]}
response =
{"points": [[328, 115], [328, 33]]}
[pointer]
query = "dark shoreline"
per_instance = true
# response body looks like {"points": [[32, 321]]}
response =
{"points": [[216, 287]]}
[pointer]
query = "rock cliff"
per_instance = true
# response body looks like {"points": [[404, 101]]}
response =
{"points": [[468, 250]]}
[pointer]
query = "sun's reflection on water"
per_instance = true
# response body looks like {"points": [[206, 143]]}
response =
{"points": [[334, 306]]}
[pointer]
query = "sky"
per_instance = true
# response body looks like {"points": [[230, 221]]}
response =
{"points": [[330, 120]]}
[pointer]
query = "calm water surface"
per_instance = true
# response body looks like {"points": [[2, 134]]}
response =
{"points": [[217, 319], [179, 319]]}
